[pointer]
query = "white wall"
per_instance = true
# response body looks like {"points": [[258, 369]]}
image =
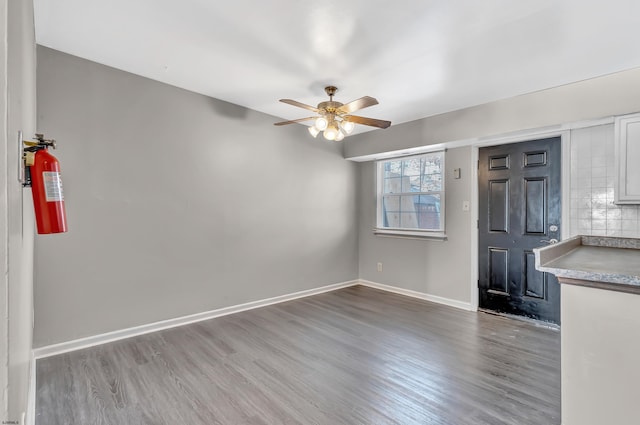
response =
{"points": [[4, 212], [592, 178], [17, 218], [178, 203]]}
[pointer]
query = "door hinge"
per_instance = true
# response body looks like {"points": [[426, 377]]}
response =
{"points": [[477, 224], [478, 164]]}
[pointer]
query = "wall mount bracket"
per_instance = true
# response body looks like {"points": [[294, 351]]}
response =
{"points": [[27, 150]]}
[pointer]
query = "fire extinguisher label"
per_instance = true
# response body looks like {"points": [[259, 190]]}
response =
{"points": [[52, 186]]}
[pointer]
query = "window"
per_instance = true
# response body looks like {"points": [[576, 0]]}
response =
{"points": [[411, 196]]}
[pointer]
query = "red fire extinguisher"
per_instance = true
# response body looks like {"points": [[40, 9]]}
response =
{"points": [[43, 172]]}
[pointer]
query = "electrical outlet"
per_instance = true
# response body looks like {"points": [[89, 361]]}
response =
{"points": [[379, 267]]}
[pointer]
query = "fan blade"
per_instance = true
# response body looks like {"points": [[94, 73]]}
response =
{"points": [[299, 105], [368, 121], [295, 121], [363, 102]]}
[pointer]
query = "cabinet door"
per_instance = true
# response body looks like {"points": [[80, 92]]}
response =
{"points": [[627, 184]]}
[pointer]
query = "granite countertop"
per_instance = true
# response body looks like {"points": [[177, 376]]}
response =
{"points": [[607, 260]]}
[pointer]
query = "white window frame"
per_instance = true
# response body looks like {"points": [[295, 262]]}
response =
{"points": [[438, 234]]}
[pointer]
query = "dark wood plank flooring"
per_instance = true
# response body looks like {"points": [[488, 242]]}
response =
{"points": [[353, 356]]}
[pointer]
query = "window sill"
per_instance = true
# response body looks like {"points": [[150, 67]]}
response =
{"points": [[408, 234]]}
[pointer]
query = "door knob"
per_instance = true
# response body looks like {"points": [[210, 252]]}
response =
{"points": [[550, 241]]}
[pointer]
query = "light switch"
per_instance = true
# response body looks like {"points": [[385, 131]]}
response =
{"points": [[456, 173]]}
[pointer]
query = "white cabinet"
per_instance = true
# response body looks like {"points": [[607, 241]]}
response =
{"points": [[627, 182]]}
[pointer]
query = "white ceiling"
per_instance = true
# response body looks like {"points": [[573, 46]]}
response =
{"points": [[417, 57]]}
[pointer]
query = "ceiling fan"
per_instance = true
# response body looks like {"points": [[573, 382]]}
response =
{"points": [[334, 119]]}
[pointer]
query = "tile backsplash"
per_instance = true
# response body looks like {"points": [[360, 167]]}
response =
{"points": [[592, 211]]}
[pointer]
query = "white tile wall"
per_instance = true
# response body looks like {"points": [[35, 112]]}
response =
{"points": [[592, 211]]}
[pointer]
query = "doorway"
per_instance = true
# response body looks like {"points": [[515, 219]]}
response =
{"points": [[519, 208]]}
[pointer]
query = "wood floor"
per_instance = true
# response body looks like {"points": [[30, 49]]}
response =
{"points": [[353, 356]]}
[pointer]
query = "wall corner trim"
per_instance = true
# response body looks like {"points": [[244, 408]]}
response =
{"points": [[90, 341], [420, 295], [29, 417]]}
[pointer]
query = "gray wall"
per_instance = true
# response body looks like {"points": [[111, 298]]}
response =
{"points": [[614, 94], [178, 203], [17, 216], [443, 268], [440, 268]]}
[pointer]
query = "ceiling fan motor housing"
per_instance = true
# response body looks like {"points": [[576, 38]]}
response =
{"points": [[329, 106]]}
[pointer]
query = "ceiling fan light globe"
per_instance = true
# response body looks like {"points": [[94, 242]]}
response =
{"points": [[313, 131], [321, 123], [347, 126], [330, 133], [339, 136]]}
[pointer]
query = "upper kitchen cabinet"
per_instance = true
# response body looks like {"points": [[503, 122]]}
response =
{"points": [[627, 137]]}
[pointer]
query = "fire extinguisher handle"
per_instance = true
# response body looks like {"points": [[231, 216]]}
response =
{"points": [[45, 142]]}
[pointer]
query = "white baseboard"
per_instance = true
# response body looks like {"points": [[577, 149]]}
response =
{"points": [[77, 344], [421, 295]]}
